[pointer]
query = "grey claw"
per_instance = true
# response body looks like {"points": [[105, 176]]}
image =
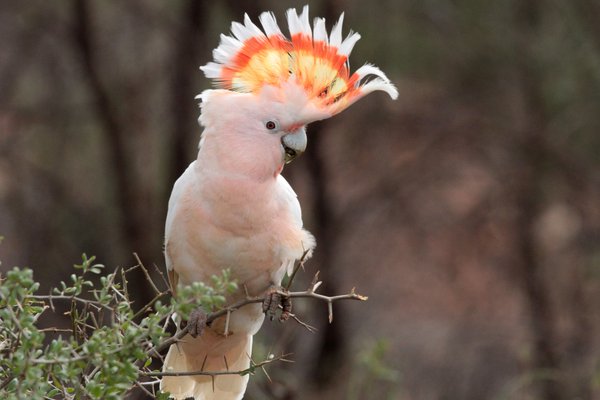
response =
{"points": [[197, 322], [275, 298]]}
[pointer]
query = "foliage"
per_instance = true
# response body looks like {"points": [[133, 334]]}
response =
{"points": [[108, 344]]}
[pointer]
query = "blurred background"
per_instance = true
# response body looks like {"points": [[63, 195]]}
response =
{"points": [[468, 210]]}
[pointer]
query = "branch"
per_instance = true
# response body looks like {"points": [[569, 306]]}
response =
{"points": [[299, 264], [309, 293], [253, 366]]}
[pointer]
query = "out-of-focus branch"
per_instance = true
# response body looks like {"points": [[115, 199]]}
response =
{"points": [[588, 12], [528, 202], [333, 341]]}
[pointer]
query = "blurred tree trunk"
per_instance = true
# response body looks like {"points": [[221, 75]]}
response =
{"points": [[333, 345], [588, 12], [333, 348], [529, 199], [190, 43], [132, 213]]}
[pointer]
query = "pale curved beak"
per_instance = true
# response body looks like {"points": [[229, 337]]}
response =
{"points": [[294, 144]]}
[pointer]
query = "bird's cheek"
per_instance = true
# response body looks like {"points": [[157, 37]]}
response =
{"points": [[279, 169]]}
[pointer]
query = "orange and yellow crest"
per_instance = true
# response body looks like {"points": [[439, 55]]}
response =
{"points": [[314, 60]]}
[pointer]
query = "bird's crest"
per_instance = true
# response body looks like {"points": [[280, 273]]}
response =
{"points": [[317, 62]]}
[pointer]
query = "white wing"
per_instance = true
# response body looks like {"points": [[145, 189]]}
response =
{"points": [[290, 197], [178, 188]]}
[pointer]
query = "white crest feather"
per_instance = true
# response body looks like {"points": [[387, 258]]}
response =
{"points": [[228, 48], [212, 70], [269, 24], [348, 43], [335, 39], [304, 21], [320, 32], [381, 82], [278, 61], [251, 26], [294, 25]]}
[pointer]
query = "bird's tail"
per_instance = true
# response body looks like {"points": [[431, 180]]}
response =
{"points": [[210, 352]]}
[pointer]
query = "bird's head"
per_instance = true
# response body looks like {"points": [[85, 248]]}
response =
{"points": [[284, 84]]}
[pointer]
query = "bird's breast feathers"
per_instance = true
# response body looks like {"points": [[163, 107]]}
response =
{"points": [[220, 221]]}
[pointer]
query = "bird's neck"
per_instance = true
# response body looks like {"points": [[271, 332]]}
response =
{"points": [[255, 157]]}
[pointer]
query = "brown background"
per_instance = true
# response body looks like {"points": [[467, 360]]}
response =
{"points": [[468, 210]]}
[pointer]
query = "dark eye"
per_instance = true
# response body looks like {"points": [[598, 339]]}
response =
{"points": [[271, 125]]}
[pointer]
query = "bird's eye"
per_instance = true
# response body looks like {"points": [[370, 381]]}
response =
{"points": [[271, 125]]}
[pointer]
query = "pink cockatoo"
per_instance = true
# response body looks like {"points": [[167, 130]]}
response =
{"points": [[232, 208]]}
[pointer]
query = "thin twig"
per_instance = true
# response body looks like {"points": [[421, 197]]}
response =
{"points": [[50, 298], [148, 306], [165, 281], [147, 274], [125, 283], [299, 263], [308, 327], [6, 381], [146, 391], [55, 330], [250, 370]]}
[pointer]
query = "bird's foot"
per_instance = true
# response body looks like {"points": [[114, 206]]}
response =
{"points": [[274, 298], [197, 322]]}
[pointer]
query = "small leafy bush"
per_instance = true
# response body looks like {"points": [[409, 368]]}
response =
{"points": [[107, 347]]}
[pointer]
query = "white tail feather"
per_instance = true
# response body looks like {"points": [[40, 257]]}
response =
{"points": [[207, 353]]}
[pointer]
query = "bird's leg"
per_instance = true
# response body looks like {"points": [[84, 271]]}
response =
{"points": [[275, 297], [271, 302], [286, 307], [197, 322]]}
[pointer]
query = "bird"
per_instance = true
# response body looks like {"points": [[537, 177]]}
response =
{"points": [[231, 208]]}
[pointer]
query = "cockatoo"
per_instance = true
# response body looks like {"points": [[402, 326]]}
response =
{"points": [[231, 208]]}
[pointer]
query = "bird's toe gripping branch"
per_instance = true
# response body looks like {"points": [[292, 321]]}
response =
{"points": [[274, 298], [197, 322]]}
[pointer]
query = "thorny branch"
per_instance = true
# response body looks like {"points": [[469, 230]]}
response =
{"points": [[105, 309], [253, 366], [309, 293]]}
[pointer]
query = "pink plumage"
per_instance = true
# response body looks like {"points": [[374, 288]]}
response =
{"points": [[231, 208]]}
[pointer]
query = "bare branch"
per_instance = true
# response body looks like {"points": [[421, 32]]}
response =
{"points": [[147, 274], [249, 370], [310, 293], [308, 327], [299, 263]]}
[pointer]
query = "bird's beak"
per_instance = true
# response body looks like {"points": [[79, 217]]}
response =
{"points": [[294, 144]]}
